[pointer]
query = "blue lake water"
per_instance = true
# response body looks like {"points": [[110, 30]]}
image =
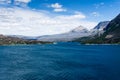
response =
{"points": [[62, 61]]}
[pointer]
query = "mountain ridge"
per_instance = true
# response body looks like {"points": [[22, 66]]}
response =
{"points": [[68, 36], [8, 40], [110, 36]]}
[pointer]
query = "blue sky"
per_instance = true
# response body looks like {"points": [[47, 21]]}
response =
{"points": [[46, 17], [96, 10]]}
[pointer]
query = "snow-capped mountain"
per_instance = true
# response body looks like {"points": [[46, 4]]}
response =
{"points": [[102, 25], [99, 28], [68, 36], [111, 34], [80, 29]]}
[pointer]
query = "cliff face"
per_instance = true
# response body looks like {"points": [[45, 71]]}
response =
{"points": [[113, 28], [112, 31]]}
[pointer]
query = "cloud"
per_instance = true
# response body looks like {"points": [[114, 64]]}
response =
{"points": [[14, 21], [60, 10], [15, 1], [95, 14], [77, 15], [5, 1], [23, 1], [57, 7], [99, 5]]}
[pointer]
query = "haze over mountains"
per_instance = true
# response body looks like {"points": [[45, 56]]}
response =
{"points": [[68, 36], [75, 33]]}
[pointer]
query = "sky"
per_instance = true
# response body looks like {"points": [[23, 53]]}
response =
{"points": [[47, 17]]}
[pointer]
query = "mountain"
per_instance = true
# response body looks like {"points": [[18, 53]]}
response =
{"points": [[68, 36], [111, 34], [7, 40], [24, 37], [80, 29], [99, 29], [102, 25]]}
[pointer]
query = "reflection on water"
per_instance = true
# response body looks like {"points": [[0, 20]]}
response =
{"points": [[62, 61]]}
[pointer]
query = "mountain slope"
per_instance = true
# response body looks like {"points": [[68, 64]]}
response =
{"points": [[102, 25], [7, 40], [99, 29], [113, 28], [111, 34], [69, 36]]}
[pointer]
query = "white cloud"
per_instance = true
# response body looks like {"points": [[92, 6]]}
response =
{"points": [[17, 21], [15, 1], [77, 15], [96, 14], [57, 7], [99, 5], [5, 1], [23, 1], [60, 10]]}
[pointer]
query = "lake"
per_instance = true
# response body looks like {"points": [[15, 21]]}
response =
{"points": [[62, 61]]}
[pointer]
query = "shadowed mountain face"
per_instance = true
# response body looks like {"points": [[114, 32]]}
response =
{"points": [[102, 25], [111, 34], [68, 36], [99, 29], [113, 28]]}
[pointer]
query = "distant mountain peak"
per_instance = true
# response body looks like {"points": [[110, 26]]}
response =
{"points": [[79, 29], [68, 36]]}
